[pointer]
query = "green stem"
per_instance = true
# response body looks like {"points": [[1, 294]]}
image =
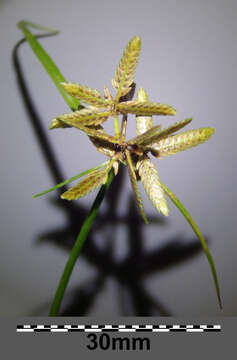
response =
{"points": [[196, 230], [77, 247], [116, 126]]}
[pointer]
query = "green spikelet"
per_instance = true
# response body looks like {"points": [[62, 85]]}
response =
{"points": [[143, 123], [145, 137], [151, 182], [183, 141], [164, 132], [58, 124], [84, 187], [99, 133], [133, 179], [145, 108], [85, 94], [103, 147], [87, 117], [127, 66]]}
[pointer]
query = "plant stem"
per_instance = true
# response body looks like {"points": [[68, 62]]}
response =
{"points": [[77, 247], [116, 126]]}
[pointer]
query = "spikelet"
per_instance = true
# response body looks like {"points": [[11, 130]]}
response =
{"points": [[127, 66], [143, 123], [99, 133], [58, 124], [145, 108], [103, 147], [85, 94], [151, 182], [133, 179], [183, 141], [164, 132], [145, 137], [87, 117], [84, 187]]}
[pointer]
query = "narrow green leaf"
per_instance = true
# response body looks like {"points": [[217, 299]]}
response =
{"points": [[77, 247], [46, 60], [70, 180], [196, 230]]}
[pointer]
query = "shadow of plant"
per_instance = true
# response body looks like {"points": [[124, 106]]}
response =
{"points": [[130, 272]]}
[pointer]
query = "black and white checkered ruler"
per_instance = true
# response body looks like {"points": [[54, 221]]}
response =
{"points": [[118, 328]]}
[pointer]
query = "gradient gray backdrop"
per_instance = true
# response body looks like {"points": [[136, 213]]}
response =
{"points": [[188, 60]]}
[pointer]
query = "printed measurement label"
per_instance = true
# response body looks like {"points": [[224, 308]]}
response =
{"points": [[106, 342], [118, 328], [113, 337]]}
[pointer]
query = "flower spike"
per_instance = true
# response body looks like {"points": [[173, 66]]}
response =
{"points": [[143, 123], [151, 182], [183, 141], [145, 108], [127, 66], [133, 179], [84, 187], [87, 117], [85, 94]]}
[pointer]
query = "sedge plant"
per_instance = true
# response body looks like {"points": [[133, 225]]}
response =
{"points": [[90, 109]]}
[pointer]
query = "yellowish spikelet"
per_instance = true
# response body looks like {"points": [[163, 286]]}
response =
{"points": [[143, 123], [133, 179], [145, 108], [127, 66], [84, 187], [183, 141], [85, 94], [87, 117], [151, 182], [103, 147]]}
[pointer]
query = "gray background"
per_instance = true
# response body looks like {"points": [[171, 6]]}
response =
{"points": [[188, 60]]}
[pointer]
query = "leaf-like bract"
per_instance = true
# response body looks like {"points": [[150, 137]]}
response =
{"points": [[85, 94], [143, 123], [133, 179], [151, 182], [183, 141], [84, 187], [196, 230], [87, 116], [145, 108], [127, 66]]}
